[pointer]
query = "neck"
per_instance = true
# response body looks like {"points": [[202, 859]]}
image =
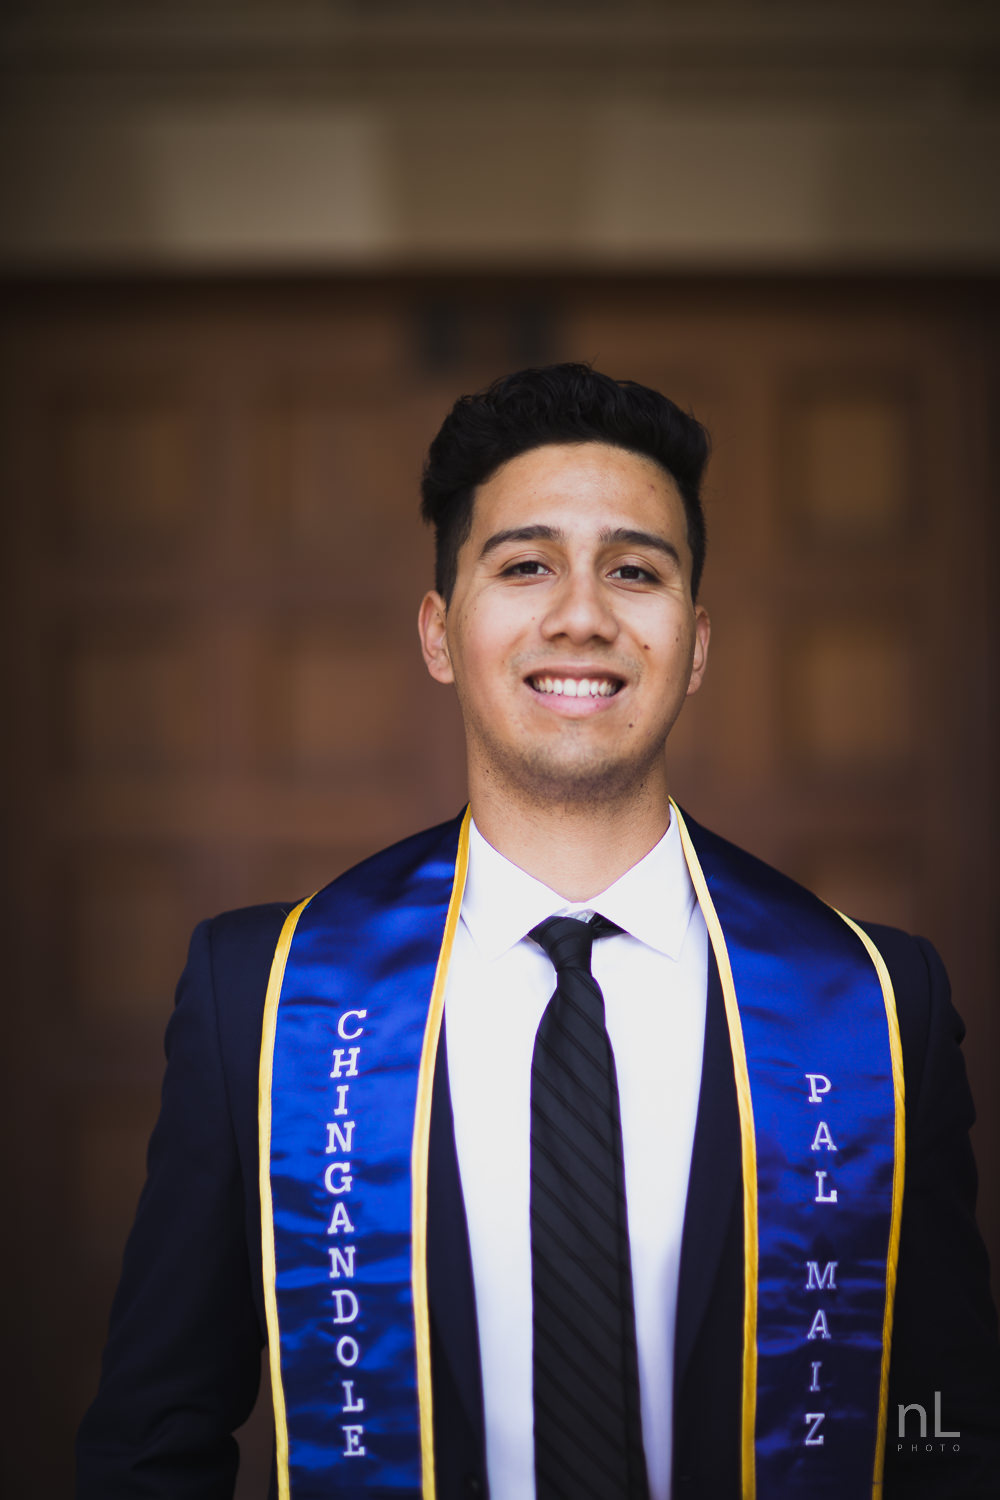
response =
{"points": [[577, 849]]}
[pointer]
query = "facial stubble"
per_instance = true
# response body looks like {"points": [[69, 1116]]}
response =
{"points": [[565, 772]]}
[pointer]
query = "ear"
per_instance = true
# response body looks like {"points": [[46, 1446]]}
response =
{"points": [[432, 624], [702, 635]]}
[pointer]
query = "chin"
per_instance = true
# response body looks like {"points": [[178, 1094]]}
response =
{"points": [[574, 780]]}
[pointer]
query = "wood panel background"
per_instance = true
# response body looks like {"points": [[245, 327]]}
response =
{"points": [[213, 693]]}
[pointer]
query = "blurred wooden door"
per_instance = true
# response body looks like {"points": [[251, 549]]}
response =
{"points": [[211, 567]]}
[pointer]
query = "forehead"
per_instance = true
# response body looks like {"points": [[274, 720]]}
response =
{"points": [[579, 485]]}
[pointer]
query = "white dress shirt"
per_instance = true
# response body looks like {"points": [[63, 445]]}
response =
{"points": [[654, 977]]}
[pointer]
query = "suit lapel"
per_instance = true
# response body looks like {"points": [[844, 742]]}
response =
{"points": [[459, 1424], [715, 1184]]}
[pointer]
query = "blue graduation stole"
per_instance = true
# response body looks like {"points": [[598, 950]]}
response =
{"points": [[351, 1027]]}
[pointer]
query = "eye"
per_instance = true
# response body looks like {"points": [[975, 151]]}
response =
{"points": [[529, 567], [633, 573]]}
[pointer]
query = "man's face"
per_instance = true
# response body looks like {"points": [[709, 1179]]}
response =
{"points": [[571, 636]]}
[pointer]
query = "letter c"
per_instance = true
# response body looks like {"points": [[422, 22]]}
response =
{"points": [[350, 1036]]}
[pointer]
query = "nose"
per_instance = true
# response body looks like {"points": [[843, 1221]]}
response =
{"points": [[579, 610]]}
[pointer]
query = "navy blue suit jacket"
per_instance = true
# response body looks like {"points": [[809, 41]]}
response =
{"points": [[182, 1362]]}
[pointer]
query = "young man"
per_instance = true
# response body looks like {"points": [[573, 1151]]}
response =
{"points": [[593, 1158]]}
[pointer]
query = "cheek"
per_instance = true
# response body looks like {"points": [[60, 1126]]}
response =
{"points": [[492, 633], [480, 646]]}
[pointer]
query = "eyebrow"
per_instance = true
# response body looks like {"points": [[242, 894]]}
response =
{"points": [[521, 534], [608, 537], [640, 539]]}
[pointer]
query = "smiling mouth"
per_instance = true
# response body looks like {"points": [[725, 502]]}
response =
{"points": [[576, 687]]}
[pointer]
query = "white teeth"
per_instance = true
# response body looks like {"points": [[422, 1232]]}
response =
{"points": [[575, 687]]}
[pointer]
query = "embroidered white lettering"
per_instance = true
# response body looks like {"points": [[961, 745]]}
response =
{"points": [[342, 1262], [350, 1068], [339, 1137], [350, 1036], [819, 1085], [822, 1196], [814, 1437], [817, 1365], [345, 1181], [347, 1350], [819, 1328], [340, 1222], [350, 1404], [341, 1096], [352, 1439], [822, 1138], [817, 1279], [347, 1306]]}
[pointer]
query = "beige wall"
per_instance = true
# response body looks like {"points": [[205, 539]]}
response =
{"points": [[287, 135]]}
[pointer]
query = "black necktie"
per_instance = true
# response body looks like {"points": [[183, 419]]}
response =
{"points": [[588, 1428]]}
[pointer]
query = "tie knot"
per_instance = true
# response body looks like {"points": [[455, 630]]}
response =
{"points": [[568, 941]]}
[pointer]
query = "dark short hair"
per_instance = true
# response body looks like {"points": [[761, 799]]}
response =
{"points": [[567, 403]]}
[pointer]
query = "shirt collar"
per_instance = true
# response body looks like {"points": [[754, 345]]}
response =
{"points": [[652, 901]]}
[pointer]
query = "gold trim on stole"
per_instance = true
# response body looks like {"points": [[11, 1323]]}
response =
{"points": [[749, 1158], [421, 1142], [418, 1170], [266, 1205], [898, 1176]]}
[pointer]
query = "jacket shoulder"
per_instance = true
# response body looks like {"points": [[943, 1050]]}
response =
{"points": [[244, 934], [928, 1022]]}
